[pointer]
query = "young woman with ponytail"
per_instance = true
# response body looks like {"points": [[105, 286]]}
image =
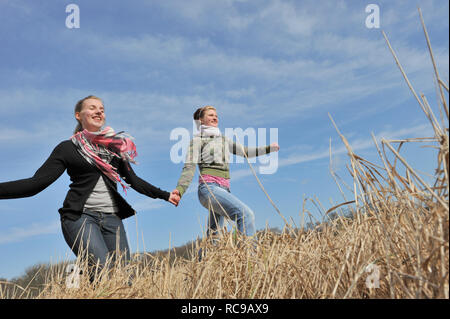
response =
{"points": [[209, 149]]}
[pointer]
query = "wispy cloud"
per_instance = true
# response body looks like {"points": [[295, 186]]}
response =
{"points": [[357, 144], [310, 60], [147, 204], [17, 234]]}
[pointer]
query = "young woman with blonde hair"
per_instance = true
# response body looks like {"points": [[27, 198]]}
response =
{"points": [[96, 160]]}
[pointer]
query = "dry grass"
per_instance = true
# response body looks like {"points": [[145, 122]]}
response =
{"points": [[400, 224], [410, 247]]}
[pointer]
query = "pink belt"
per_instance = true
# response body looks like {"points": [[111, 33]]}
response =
{"points": [[214, 179]]}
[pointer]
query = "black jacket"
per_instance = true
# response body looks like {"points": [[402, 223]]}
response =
{"points": [[84, 177]]}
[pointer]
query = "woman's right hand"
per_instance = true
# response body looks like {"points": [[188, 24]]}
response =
{"points": [[274, 147]]}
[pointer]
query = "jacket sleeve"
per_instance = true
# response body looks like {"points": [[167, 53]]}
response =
{"points": [[140, 185], [188, 172], [239, 149], [49, 172]]}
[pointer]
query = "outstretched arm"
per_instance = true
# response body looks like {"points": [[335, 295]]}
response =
{"points": [[241, 150], [49, 172], [140, 185], [143, 187]]}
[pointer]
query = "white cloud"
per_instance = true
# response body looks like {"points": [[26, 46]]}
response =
{"points": [[289, 18], [349, 65], [17, 234], [147, 204], [357, 145], [17, 5], [327, 69], [286, 54]]}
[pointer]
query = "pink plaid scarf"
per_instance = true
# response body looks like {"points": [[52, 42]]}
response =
{"points": [[100, 148]]}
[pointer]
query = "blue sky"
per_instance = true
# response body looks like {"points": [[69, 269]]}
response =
{"points": [[263, 64]]}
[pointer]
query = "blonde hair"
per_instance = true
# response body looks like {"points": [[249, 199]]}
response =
{"points": [[79, 107], [200, 112]]}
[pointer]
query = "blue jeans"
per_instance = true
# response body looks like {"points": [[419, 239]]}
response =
{"points": [[224, 204], [98, 234]]}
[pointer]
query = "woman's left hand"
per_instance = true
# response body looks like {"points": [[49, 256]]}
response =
{"points": [[174, 198]]}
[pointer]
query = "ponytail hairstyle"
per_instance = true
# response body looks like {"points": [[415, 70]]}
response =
{"points": [[79, 107], [200, 112]]}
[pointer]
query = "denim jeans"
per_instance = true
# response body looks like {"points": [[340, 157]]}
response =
{"points": [[99, 235], [224, 204]]}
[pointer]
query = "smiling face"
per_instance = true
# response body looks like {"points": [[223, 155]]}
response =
{"points": [[210, 118], [92, 115]]}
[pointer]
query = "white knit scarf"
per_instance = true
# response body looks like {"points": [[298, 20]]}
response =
{"points": [[209, 131]]}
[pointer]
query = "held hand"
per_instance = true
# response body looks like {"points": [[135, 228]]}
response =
{"points": [[175, 197], [274, 147], [176, 192]]}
